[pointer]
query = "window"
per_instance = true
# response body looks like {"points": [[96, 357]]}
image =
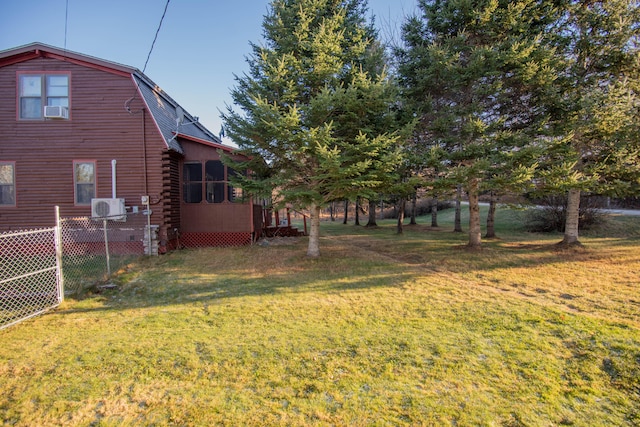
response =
{"points": [[217, 188], [38, 90], [214, 170], [84, 180], [192, 182], [7, 184]]}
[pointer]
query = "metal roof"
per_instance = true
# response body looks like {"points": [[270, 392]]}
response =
{"points": [[166, 112]]}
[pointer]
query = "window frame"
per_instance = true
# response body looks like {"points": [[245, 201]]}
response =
{"points": [[190, 184], [46, 96], [215, 186], [12, 185], [76, 201], [210, 185]]}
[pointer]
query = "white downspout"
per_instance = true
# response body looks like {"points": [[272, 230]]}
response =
{"points": [[113, 178]]}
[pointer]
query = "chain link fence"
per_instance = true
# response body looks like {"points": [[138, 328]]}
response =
{"points": [[30, 281], [38, 267], [93, 250]]}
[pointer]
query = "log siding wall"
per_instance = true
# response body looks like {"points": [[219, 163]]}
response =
{"points": [[171, 196]]}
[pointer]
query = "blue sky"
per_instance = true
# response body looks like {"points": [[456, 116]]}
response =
{"points": [[201, 45]]}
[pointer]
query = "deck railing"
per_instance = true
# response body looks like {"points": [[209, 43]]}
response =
{"points": [[279, 223]]}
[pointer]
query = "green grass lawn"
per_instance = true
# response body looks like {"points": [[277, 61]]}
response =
{"points": [[382, 330]]}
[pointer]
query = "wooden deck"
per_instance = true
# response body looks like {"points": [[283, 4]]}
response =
{"points": [[284, 227], [282, 231]]}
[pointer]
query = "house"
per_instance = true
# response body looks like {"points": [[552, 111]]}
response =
{"points": [[74, 128]]}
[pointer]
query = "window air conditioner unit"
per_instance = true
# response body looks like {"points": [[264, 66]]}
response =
{"points": [[56, 112], [112, 209]]}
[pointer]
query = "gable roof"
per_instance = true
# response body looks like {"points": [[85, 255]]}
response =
{"points": [[163, 109]]}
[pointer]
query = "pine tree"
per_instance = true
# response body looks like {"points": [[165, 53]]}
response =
{"points": [[595, 108], [474, 71], [315, 121]]}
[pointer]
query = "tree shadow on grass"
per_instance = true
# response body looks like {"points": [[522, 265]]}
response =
{"points": [[266, 271], [347, 263]]}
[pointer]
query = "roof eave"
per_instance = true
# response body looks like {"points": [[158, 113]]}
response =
{"points": [[40, 50], [217, 145]]}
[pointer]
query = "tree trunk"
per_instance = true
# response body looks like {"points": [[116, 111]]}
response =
{"points": [[346, 211], [372, 214], [332, 211], [491, 218], [457, 227], [414, 208], [434, 212], [475, 234], [401, 206], [357, 210], [313, 250], [572, 219]]}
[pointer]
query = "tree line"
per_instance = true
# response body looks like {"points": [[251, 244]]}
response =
{"points": [[506, 97]]}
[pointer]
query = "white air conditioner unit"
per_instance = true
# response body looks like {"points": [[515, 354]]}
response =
{"points": [[112, 209], [56, 112]]}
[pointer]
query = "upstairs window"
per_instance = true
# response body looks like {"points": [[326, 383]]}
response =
{"points": [[39, 90], [7, 184], [84, 180]]}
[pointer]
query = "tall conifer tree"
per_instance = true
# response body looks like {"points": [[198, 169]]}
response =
{"points": [[595, 108], [474, 70], [316, 119]]}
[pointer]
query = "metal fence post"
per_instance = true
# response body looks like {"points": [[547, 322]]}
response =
{"points": [[106, 248], [58, 247]]}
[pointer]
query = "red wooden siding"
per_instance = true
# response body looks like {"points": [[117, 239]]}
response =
{"points": [[99, 129], [213, 224]]}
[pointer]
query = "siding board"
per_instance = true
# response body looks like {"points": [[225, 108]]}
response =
{"points": [[99, 129]]}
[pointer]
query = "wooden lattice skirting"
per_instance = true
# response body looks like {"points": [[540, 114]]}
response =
{"points": [[200, 240]]}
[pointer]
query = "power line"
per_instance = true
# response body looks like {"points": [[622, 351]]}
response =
{"points": [[128, 102], [156, 36], [66, 24]]}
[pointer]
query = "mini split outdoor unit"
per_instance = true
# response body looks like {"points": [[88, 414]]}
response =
{"points": [[112, 209], [56, 112]]}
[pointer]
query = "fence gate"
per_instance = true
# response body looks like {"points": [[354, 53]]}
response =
{"points": [[94, 249], [30, 276]]}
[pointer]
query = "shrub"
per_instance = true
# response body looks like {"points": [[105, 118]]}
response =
{"points": [[627, 203], [550, 214]]}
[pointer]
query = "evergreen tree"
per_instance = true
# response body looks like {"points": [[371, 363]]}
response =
{"points": [[372, 213], [475, 71], [315, 121], [595, 108]]}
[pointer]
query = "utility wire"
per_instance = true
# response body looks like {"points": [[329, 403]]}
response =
{"points": [[66, 24], [156, 36], [128, 102]]}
